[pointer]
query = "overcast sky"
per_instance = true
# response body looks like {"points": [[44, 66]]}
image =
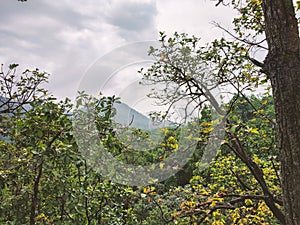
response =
{"points": [[64, 38]]}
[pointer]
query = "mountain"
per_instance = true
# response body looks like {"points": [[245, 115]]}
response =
{"points": [[128, 116], [125, 115]]}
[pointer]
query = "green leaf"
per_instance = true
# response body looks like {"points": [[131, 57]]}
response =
{"points": [[13, 66]]}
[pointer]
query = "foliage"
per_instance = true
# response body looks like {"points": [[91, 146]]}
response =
{"points": [[45, 179]]}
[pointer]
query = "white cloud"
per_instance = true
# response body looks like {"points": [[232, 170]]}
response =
{"points": [[65, 37], [193, 17]]}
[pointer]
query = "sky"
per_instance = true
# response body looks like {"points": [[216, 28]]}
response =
{"points": [[65, 38]]}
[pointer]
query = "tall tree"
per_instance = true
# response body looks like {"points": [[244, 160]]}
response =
{"points": [[276, 20], [282, 66]]}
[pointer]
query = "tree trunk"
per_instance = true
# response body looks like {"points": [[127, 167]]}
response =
{"points": [[34, 201], [282, 65]]}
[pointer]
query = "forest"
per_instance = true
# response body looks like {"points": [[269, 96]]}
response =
{"points": [[250, 177]]}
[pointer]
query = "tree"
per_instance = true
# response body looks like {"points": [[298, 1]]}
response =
{"points": [[232, 64], [280, 27], [183, 76], [282, 65], [43, 177], [226, 192]]}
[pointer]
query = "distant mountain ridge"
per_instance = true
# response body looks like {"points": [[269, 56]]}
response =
{"points": [[125, 115], [128, 116]]}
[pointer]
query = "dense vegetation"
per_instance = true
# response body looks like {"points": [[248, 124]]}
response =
{"points": [[45, 179]]}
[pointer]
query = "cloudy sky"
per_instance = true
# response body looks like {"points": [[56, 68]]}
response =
{"points": [[64, 38]]}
